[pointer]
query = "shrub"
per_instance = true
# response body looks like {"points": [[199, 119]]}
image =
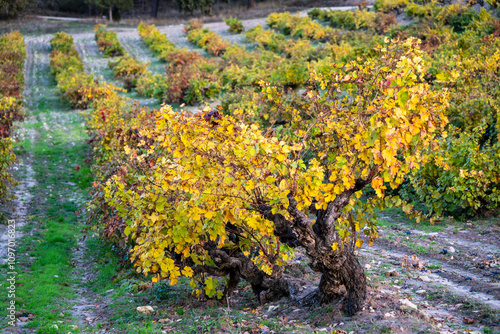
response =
{"points": [[65, 62], [494, 3], [208, 40], [266, 38], [463, 177], [63, 42], [77, 87], [457, 16], [355, 20], [155, 40], [387, 6], [421, 11], [82, 89], [108, 42], [12, 54], [190, 76], [316, 13], [127, 65], [191, 25], [235, 25], [300, 27], [235, 76], [290, 73], [7, 158], [195, 194], [153, 85], [128, 69], [237, 55], [463, 180], [351, 20], [383, 22]]}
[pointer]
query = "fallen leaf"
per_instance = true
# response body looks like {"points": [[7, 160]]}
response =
{"points": [[468, 321]]}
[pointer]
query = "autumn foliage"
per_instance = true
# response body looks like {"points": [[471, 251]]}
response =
{"points": [[80, 89], [197, 194], [12, 54], [309, 143], [108, 42]]}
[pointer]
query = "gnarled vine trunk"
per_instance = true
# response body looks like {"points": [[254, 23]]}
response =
{"points": [[239, 266], [339, 267]]}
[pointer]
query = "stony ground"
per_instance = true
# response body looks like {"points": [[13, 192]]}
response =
{"points": [[422, 279]]}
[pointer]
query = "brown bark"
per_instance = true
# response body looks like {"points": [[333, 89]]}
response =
{"points": [[111, 13], [251, 4], [238, 266], [339, 267]]}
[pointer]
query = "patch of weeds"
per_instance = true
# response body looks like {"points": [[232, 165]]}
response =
{"points": [[386, 329], [434, 266], [434, 295], [397, 214], [417, 248]]}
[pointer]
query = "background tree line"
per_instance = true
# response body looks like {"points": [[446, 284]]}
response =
{"points": [[114, 9]]}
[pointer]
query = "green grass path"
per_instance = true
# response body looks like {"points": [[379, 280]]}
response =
{"points": [[53, 144]]}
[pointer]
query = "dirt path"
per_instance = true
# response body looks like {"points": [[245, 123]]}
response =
{"points": [[133, 44], [52, 141], [91, 56], [17, 210], [450, 277]]}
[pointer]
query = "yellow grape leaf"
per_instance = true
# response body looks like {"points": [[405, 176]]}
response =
{"points": [[210, 285], [210, 214], [229, 217], [377, 182], [187, 271]]}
